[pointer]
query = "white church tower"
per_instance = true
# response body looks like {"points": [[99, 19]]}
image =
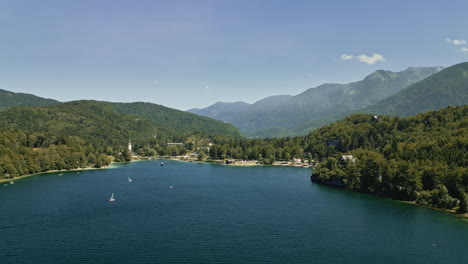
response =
{"points": [[130, 145]]}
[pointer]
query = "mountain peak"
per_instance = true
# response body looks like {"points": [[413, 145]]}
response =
{"points": [[444, 88], [379, 74], [419, 69], [317, 106]]}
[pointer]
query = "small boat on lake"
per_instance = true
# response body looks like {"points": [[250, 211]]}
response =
{"points": [[111, 199], [162, 164], [130, 180], [12, 182]]}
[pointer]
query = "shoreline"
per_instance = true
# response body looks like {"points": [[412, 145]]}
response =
{"points": [[229, 162], [451, 211], [218, 162], [234, 163], [52, 171]]}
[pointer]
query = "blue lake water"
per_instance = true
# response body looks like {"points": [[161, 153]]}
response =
{"points": [[215, 214]]}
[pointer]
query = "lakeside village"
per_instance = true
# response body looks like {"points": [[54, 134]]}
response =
{"points": [[200, 157]]}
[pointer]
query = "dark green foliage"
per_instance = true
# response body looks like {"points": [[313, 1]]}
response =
{"points": [[10, 99], [422, 158], [463, 206], [24, 153], [175, 120], [88, 133], [438, 197], [92, 121], [101, 123]]}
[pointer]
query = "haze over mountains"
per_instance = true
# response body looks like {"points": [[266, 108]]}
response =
{"points": [[447, 87], [287, 115], [404, 93], [221, 110]]}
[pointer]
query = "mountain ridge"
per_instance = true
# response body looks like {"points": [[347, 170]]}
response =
{"points": [[10, 99], [442, 89], [169, 118], [322, 104], [220, 110]]}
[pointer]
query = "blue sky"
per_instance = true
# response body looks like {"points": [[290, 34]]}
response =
{"points": [[185, 54]]}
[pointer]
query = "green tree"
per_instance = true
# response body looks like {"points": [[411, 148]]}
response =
{"points": [[463, 205]]}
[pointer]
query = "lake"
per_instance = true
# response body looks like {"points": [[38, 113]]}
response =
{"points": [[215, 214]]}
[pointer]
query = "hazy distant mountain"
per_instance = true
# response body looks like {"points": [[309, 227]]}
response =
{"points": [[9, 99], [447, 87], [228, 112], [328, 101], [221, 110], [269, 103], [287, 115]]}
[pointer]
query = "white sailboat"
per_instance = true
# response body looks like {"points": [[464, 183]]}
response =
{"points": [[112, 198], [130, 180]]}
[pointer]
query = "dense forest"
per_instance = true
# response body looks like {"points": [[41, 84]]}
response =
{"points": [[10, 99], [422, 158], [82, 134], [177, 121]]}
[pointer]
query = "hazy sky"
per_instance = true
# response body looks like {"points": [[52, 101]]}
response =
{"points": [[185, 54]]}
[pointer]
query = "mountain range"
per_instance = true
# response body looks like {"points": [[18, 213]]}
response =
{"points": [[421, 158], [447, 87], [286, 115], [404, 93]]}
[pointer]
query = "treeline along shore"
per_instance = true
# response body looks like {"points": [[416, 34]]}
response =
{"points": [[422, 158]]}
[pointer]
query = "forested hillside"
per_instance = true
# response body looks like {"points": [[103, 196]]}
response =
{"points": [[422, 158], [67, 136], [10, 99], [179, 122], [90, 133]]}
